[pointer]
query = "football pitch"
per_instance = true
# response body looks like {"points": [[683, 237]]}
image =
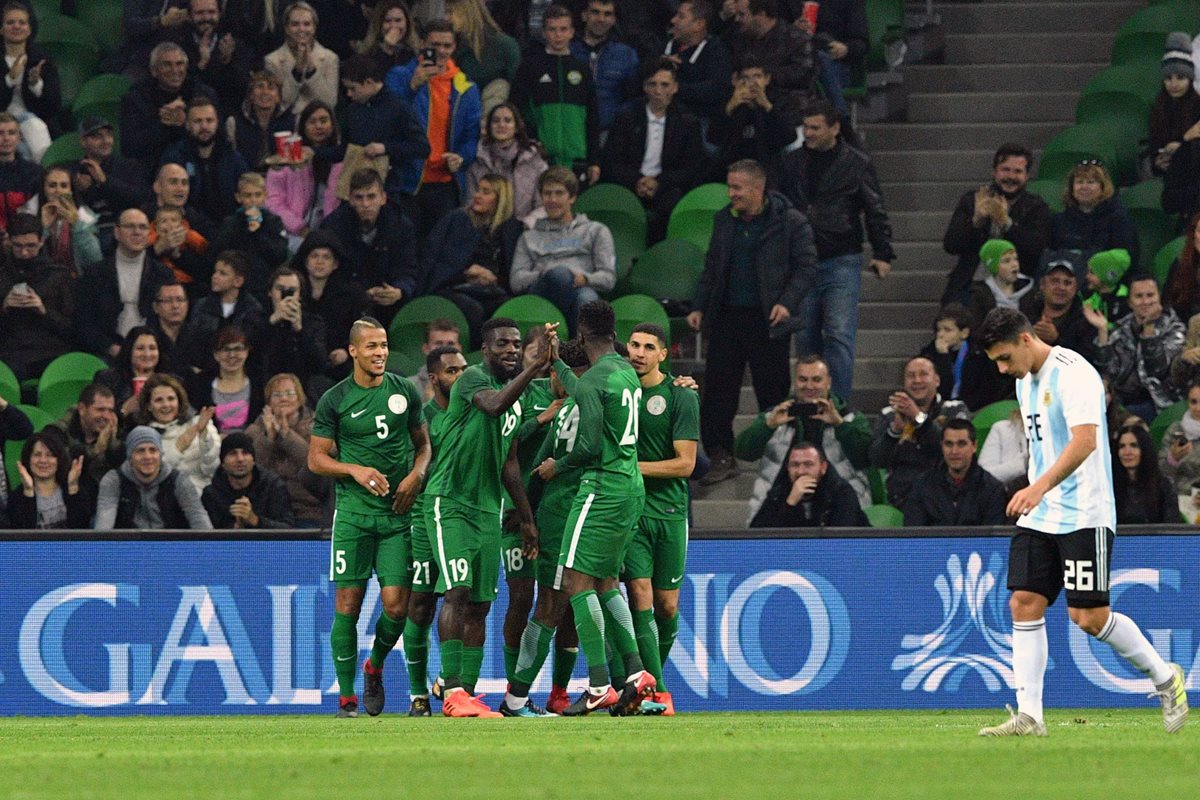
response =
{"points": [[891, 754]]}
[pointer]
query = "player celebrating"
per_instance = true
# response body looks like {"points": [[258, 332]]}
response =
{"points": [[444, 365], [1067, 519], [668, 427], [462, 510], [373, 418]]}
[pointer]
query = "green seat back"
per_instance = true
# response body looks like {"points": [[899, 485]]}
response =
{"points": [[58, 398], [10, 387], [885, 24], [1140, 78], [989, 415], [1049, 190], [1165, 257], [1154, 228], [103, 19], [634, 309], [670, 270], [1147, 194], [64, 148], [878, 480], [1104, 106], [70, 368], [406, 333], [881, 515], [1161, 18], [1138, 46], [1165, 419], [692, 217], [1073, 145], [101, 95], [529, 310]]}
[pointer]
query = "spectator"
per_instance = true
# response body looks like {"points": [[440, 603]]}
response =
{"points": [[807, 494], [448, 106], [154, 110], [294, 341], [228, 304], [469, 255], [556, 96], [1057, 310], [19, 179], [231, 393], [1094, 218], [280, 436], [212, 164], [380, 243], [438, 333], [1001, 209], [68, 229], [1143, 493], [244, 495], [812, 414], [786, 51], [252, 230], [1005, 453], [35, 318], [391, 38], [1175, 115], [1182, 292], [146, 493], [753, 126], [304, 194], [251, 129], [190, 442], [1004, 285], [175, 347], [565, 257], [487, 55], [1180, 457], [91, 429], [215, 57], [331, 295], [119, 292], [957, 492], [307, 70], [614, 64], [524, 20], [505, 149], [655, 149], [761, 262], [1116, 414], [834, 185], [14, 427], [1181, 183], [1138, 352], [137, 361], [1107, 275], [702, 62], [50, 495], [842, 35], [173, 187], [908, 436], [261, 23], [30, 91], [178, 246], [104, 181], [143, 24], [961, 364]]}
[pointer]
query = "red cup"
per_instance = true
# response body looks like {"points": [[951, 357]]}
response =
{"points": [[295, 147], [138, 383], [810, 13], [281, 146]]}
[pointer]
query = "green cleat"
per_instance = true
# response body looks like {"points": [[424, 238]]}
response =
{"points": [[1173, 696], [1019, 724], [530, 709]]}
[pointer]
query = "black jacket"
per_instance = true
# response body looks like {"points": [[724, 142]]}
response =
{"points": [[1107, 227], [936, 499], [907, 457], [834, 504], [391, 258], [229, 81], [252, 140], [787, 54], [268, 497], [125, 186], [1074, 331], [752, 132], [847, 194], [1135, 507], [703, 76], [1181, 183], [786, 263], [981, 383], [48, 105], [265, 248], [683, 160], [304, 352], [1030, 233], [22, 510], [143, 137], [205, 321], [26, 336], [97, 290]]}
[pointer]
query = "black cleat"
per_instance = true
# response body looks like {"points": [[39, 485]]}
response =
{"points": [[373, 698], [635, 689], [419, 707], [589, 702], [348, 708]]}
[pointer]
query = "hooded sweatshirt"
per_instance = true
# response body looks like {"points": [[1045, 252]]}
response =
{"points": [[146, 500], [580, 245]]}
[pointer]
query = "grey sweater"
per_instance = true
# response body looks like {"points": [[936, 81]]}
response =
{"points": [[148, 516], [580, 245]]}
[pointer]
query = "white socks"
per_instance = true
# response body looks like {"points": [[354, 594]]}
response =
{"points": [[1030, 653], [1123, 635]]}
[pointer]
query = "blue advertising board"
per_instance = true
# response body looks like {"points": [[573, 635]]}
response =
{"points": [[218, 627]]}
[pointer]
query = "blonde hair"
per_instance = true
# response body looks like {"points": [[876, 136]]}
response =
{"points": [[504, 202], [1095, 172], [251, 179], [375, 27], [472, 23], [280, 378]]}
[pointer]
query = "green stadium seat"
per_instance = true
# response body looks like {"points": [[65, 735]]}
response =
{"points": [[12, 448], [101, 95], [1139, 47], [1165, 258], [529, 310], [1161, 18], [10, 387], [46, 8], [878, 481], [1101, 107], [989, 415], [74, 48], [103, 19], [1147, 194], [1165, 419], [65, 148], [1142, 79], [633, 309], [692, 217], [1049, 190], [670, 270], [1154, 228], [622, 212], [885, 26], [406, 333], [59, 398], [881, 515], [1073, 145], [70, 368]]}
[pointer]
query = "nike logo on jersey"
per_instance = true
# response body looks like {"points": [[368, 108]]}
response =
{"points": [[540, 408], [545, 78], [358, 413], [677, 580], [347, 658]]}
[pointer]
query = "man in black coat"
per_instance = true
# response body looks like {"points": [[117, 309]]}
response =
{"points": [[105, 182], [703, 61], [154, 110], [1056, 310], [808, 494], [215, 57], [243, 495], [958, 491]]}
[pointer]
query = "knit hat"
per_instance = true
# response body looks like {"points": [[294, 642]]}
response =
{"points": [[992, 251], [1109, 266], [142, 434], [236, 441], [1177, 60]]}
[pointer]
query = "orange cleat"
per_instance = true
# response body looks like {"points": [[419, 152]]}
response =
{"points": [[558, 700], [666, 700], [460, 703]]}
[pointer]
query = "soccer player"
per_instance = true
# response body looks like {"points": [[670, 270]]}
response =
{"points": [[1067, 519], [604, 511], [668, 429], [444, 365], [462, 510], [373, 418]]}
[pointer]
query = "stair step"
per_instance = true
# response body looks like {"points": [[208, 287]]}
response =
{"points": [[920, 285], [735, 489], [891, 314], [992, 106], [915, 256], [960, 135], [892, 342], [1048, 77], [918, 165], [1004, 48], [928, 196], [720, 513], [1026, 17], [918, 225]]}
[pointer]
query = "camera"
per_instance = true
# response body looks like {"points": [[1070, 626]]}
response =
{"points": [[1179, 438], [428, 55], [803, 410], [286, 291]]}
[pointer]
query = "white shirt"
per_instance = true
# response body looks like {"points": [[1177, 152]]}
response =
{"points": [[656, 128], [1065, 393], [129, 284]]}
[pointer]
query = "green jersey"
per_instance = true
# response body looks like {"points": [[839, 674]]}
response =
{"points": [[536, 398], [668, 414], [474, 446], [608, 396], [434, 415], [560, 492], [373, 428]]}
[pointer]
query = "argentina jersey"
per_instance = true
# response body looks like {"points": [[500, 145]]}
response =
{"points": [[1064, 393]]}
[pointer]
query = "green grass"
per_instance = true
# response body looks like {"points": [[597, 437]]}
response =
{"points": [[1097, 753]]}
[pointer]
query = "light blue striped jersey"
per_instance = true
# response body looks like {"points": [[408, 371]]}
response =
{"points": [[1064, 393]]}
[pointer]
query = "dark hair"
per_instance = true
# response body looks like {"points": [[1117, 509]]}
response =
{"points": [[561, 176], [23, 223], [230, 334], [520, 132], [654, 330], [441, 324], [1183, 289], [316, 239], [804, 444], [433, 361], [494, 323], [750, 60], [201, 100], [1002, 325], [702, 9], [557, 11], [124, 360], [1133, 276], [365, 178], [1147, 481], [54, 441], [284, 271], [92, 391], [960, 424], [957, 313], [359, 68], [823, 108], [155, 381], [364, 323], [572, 353], [812, 358], [321, 162], [650, 68], [236, 260], [437, 26], [1010, 150], [597, 320], [748, 166], [768, 7]]}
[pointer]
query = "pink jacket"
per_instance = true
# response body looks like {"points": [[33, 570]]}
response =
{"points": [[290, 194]]}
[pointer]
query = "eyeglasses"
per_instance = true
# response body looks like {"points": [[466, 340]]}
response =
{"points": [[1090, 162], [283, 394], [134, 226], [233, 348], [171, 301]]}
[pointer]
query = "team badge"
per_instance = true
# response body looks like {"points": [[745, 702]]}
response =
{"points": [[397, 404], [656, 405], [574, 77], [1046, 398]]}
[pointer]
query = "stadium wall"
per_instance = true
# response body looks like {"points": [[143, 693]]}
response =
{"points": [[163, 623]]}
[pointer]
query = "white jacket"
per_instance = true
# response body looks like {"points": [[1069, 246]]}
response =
{"points": [[200, 460]]}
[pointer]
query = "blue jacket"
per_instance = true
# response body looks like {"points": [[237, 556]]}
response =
{"points": [[614, 73], [387, 119], [451, 247], [466, 108]]}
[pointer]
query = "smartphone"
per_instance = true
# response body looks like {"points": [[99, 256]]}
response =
{"points": [[802, 410], [287, 291], [1179, 438], [22, 287], [428, 55]]}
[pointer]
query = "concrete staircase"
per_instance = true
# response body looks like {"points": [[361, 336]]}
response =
{"points": [[1013, 72]]}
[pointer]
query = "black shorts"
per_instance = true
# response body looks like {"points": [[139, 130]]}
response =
{"points": [[1045, 563]]}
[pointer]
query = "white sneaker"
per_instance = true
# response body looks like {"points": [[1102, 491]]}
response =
{"points": [[1173, 697], [1018, 724]]}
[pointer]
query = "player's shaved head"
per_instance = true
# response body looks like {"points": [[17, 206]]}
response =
{"points": [[572, 353], [502, 347], [362, 325], [597, 320], [494, 324]]}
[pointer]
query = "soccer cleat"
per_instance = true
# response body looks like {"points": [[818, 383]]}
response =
{"points": [[530, 709], [419, 707], [438, 690], [1018, 724], [372, 689], [459, 703], [636, 687], [558, 700], [590, 701], [652, 708], [1173, 696], [347, 707], [664, 698]]}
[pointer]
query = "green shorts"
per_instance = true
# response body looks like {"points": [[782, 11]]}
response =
{"points": [[516, 565], [597, 531], [424, 566], [466, 545], [363, 543], [657, 551], [550, 534]]}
